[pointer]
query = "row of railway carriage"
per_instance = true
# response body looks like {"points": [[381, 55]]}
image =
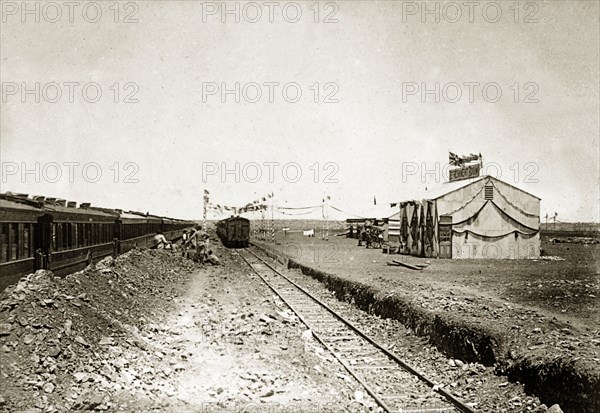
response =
{"points": [[53, 234]]}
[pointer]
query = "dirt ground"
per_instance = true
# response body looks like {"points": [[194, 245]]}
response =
{"points": [[566, 289], [541, 310], [155, 332], [151, 331]]}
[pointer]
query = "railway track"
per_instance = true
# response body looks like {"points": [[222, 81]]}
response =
{"points": [[393, 384]]}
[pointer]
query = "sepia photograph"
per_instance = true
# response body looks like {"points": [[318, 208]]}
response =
{"points": [[362, 206]]}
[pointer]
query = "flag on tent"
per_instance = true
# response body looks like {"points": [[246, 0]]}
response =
{"points": [[454, 159]]}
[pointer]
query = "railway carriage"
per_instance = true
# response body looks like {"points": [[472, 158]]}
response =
{"points": [[53, 234], [234, 232], [136, 229], [73, 237], [18, 229], [172, 228]]}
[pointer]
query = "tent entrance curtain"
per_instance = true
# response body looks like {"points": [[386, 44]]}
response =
{"points": [[418, 228]]}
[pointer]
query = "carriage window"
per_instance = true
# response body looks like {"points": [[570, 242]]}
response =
{"points": [[65, 236], [4, 243], [58, 237], [53, 237], [88, 235], [77, 235], [26, 241], [71, 235], [14, 241]]}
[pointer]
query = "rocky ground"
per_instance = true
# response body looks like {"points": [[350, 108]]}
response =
{"points": [[474, 383], [151, 331], [541, 314]]}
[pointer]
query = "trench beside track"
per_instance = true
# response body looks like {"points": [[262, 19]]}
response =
{"points": [[392, 383]]}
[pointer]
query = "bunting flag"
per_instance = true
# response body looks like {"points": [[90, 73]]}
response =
{"points": [[456, 160]]}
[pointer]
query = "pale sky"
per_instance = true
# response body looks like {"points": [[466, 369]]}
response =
{"points": [[375, 50]]}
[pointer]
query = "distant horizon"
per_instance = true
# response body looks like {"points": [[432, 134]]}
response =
{"points": [[279, 218]]}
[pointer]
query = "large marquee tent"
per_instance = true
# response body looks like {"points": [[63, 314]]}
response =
{"points": [[482, 217]]}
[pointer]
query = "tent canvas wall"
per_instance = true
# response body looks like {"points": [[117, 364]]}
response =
{"points": [[394, 227], [480, 218]]}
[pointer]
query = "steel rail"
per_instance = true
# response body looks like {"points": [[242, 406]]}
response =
{"points": [[457, 403], [320, 340]]}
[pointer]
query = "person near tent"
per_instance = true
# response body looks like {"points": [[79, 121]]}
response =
{"points": [[368, 239]]}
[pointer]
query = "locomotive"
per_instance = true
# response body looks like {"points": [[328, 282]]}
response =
{"points": [[53, 234], [234, 232]]}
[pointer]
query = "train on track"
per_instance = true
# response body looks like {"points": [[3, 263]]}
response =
{"points": [[53, 234], [234, 232]]}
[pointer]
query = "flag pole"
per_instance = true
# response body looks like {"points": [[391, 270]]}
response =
{"points": [[272, 220], [326, 219], [323, 216], [204, 209]]}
